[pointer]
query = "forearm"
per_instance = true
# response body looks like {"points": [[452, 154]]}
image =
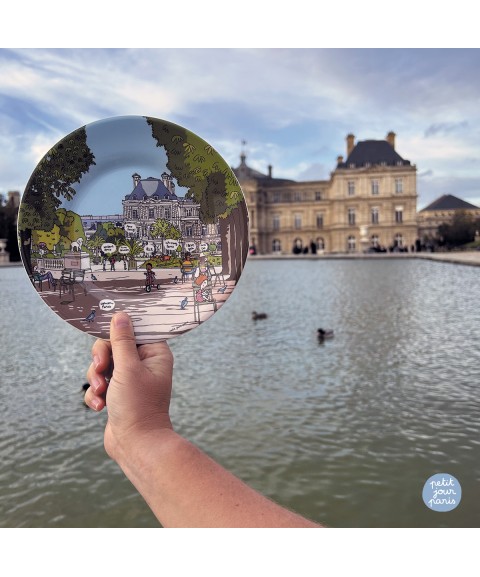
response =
{"points": [[186, 488]]}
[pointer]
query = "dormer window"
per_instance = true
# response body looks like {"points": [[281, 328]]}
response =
{"points": [[367, 165], [155, 197], [351, 165]]}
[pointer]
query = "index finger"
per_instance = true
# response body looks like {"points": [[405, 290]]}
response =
{"points": [[102, 355]]}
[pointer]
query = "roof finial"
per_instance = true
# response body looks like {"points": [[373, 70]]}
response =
{"points": [[243, 155]]}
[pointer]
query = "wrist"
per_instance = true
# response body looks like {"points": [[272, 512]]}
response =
{"points": [[127, 445]]}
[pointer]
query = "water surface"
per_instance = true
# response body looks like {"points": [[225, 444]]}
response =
{"points": [[345, 432]]}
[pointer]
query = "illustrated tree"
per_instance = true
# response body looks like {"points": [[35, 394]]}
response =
{"points": [[211, 182], [162, 228], [53, 180], [95, 244], [136, 249]]}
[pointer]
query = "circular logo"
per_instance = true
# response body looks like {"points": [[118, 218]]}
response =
{"points": [[442, 492]]}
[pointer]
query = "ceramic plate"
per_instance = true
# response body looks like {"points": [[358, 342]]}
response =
{"points": [[133, 214]]}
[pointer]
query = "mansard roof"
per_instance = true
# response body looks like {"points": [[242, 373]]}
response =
{"points": [[373, 152], [151, 187], [245, 172], [450, 202]]}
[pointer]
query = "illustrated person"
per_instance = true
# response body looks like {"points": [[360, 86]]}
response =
{"points": [[181, 484], [42, 275], [150, 275], [204, 293], [112, 263]]}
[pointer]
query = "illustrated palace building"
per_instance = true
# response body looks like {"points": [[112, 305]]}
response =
{"points": [[154, 198], [369, 200]]}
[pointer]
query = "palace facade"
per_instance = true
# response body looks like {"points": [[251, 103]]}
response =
{"points": [[368, 203], [155, 198]]}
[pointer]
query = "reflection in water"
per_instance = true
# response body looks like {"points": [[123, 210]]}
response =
{"points": [[345, 431]]}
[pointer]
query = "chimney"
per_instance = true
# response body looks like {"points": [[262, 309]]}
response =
{"points": [[13, 198], [270, 171], [136, 179], [350, 144], [391, 139]]}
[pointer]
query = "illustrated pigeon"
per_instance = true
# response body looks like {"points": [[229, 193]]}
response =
{"points": [[90, 317], [222, 289], [183, 304], [93, 277]]}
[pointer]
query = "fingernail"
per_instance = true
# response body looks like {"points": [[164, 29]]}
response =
{"points": [[95, 404], [95, 384], [121, 320], [96, 361]]}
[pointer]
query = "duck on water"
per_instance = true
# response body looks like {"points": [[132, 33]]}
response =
{"points": [[258, 316], [324, 334]]}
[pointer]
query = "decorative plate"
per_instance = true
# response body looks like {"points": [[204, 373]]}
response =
{"points": [[133, 214]]}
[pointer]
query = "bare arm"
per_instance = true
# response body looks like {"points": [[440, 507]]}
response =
{"points": [[181, 484]]}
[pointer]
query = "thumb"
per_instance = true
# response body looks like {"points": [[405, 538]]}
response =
{"points": [[122, 339]]}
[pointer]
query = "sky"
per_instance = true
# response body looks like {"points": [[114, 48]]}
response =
{"points": [[292, 106]]}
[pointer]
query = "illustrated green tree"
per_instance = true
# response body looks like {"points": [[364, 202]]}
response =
{"points": [[95, 244], [54, 179], [136, 249], [197, 166], [162, 228]]}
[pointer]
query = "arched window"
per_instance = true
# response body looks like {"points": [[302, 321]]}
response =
{"points": [[398, 240], [276, 245], [320, 243], [351, 243], [297, 246]]}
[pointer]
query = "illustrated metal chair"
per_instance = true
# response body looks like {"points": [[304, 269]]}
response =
{"points": [[188, 271], [202, 296], [214, 275]]}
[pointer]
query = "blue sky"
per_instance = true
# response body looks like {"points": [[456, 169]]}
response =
{"points": [[293, 106]]}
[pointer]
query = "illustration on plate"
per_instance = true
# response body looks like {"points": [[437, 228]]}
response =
{"points": [[135, 214]]}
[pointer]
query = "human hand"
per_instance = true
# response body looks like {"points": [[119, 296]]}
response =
{"points": [[133, 382]]}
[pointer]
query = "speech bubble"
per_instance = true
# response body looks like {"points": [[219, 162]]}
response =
{"points": [[130, 228], [149, 248], [189, 246], [170, 244], [108, 247], [123, 249], [203, 246], [106, 305]]}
